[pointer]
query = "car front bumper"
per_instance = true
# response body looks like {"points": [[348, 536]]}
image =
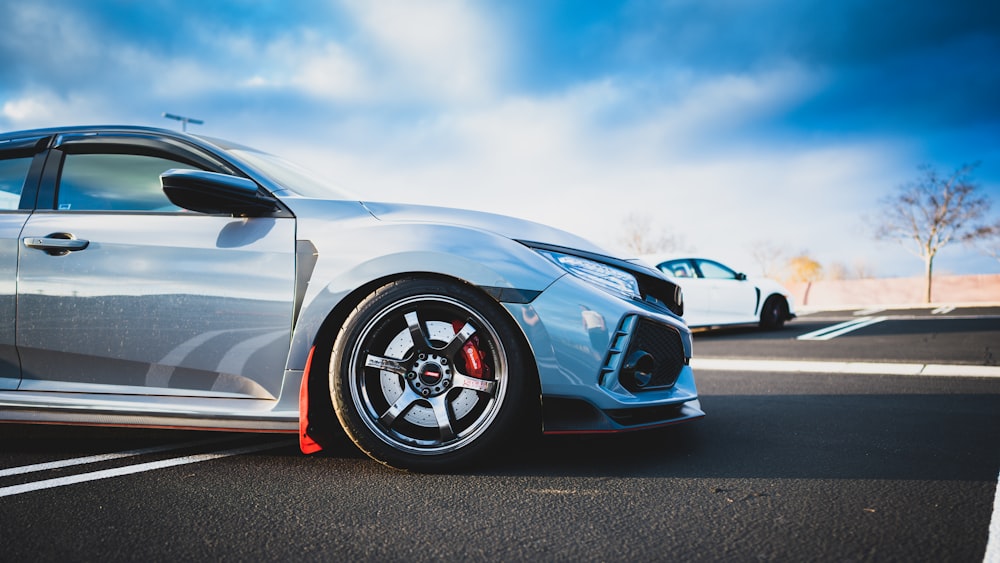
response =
{"points": [[583, 340]]}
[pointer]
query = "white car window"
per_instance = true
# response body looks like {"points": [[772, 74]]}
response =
{"points": [[715, 271], [678, 269]]}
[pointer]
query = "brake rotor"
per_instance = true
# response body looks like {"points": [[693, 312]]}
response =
{"points": [[462, 402]]}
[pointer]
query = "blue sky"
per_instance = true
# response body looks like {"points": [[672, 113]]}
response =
{"points": [[729, 123]]}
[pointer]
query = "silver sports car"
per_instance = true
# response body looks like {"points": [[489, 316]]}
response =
{"points": [[157, 279]]}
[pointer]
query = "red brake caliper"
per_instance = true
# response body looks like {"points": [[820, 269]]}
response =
{"points": [[474, 365]]}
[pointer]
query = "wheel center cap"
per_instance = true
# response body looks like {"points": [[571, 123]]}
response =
{"points": [[430, 374]]}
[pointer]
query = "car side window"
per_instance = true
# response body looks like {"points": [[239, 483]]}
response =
{"points": [[678, 269], [13, 172], [114, 182], [715, 271]]}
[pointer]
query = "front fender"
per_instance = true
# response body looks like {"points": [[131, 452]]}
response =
{"points": [[358, 255]]}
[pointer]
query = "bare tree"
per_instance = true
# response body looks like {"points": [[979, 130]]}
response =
{"points": [[932, 211], [862, 270], [841, 271], [989, 236], [640, 238], [769, 257], [837, 271]]}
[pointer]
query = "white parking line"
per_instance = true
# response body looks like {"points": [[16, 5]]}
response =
{"points": [[834, 331], [131, 469], [943, 310], [993, 541], [859, 368], [106, 457], [868, 312]]}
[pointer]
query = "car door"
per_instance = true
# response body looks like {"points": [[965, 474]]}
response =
{"points": [[18, 165], [121, 292], [734, 299]]}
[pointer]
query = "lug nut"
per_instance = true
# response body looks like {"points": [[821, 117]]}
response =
{"points": [[411, 375], [425, 392]]}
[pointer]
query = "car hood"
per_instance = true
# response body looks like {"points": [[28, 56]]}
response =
{"points": [[509, 227]]}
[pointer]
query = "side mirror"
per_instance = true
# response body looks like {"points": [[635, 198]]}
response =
{"points": [[741, 276], [213, 193]]}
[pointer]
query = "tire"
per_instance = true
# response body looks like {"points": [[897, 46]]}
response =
{"points": [[774, 313], [405, 385]]}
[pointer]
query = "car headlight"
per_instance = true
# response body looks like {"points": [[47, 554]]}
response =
{"points": [[606, 277]]}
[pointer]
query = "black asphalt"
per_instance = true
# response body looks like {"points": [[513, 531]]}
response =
{"points": [[785, 467], [964, 336]]}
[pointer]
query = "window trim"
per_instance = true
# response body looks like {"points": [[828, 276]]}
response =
{"points": [[33, 147], [140, 144], [51, 162]]}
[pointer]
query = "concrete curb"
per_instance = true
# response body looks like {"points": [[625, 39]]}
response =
{"points": [[808, 310]]}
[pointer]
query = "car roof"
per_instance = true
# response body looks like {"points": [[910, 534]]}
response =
{"points": [[198, 140], [659, 258], [89, 129]]}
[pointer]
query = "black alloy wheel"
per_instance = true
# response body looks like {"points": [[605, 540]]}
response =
{"points": [[428, 374], [774, 313]]}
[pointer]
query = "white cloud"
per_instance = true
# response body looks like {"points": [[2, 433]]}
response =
{"points": [[557, 160], [445, 50], [331, 71], [35, 30], [684, 148], [692, 110], [27, 110], [308, 62], [43, 108], [69, 53], [398, 52]]}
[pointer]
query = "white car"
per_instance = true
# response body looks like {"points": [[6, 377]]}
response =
{"points": [[717, 295]]}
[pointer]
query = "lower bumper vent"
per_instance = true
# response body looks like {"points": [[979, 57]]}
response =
{"points": [[660, 344]]}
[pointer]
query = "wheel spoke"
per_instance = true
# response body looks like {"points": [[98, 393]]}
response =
{"points": [[476, 384], [402, 404], [386, 364], [440, 406], [456, 343], [420, 340]]}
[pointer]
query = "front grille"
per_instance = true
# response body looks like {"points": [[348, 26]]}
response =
{"points": [[664, 344], [661, 292]]}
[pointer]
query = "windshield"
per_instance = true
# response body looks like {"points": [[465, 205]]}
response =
{"points": [[293, 177]]}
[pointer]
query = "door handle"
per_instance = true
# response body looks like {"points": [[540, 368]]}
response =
{"points": [[56, 244]]}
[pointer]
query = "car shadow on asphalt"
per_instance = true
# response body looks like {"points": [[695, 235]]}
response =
{"points": [[907, 437], [752, 332], [808, 436]]}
